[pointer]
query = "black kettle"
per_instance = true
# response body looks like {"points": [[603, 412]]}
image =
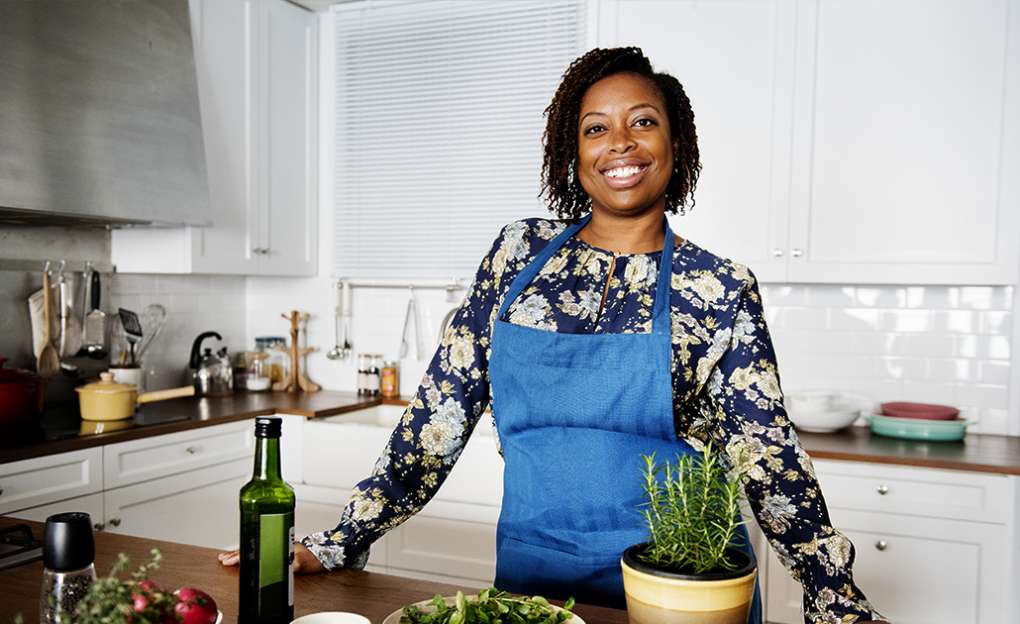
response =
{"points": [[211, 373]]}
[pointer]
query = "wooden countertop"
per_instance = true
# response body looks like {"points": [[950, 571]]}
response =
{"points": [[373, 595], [976, 452]]}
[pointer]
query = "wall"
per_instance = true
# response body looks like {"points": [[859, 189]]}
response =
{"points": [[194, 303]]}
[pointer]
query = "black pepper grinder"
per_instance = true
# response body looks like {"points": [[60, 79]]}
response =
{"points": [[69, 553]]}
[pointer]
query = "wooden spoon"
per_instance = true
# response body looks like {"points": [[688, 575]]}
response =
{"points": [[48, 364]]}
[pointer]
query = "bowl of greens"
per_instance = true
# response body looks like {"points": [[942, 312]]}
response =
{"points": [[490, 606]]}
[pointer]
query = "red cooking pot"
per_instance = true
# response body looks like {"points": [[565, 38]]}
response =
{"points": [[21, 394]]}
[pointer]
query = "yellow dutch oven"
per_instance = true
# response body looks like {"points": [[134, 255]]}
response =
{"points": [[108, 400]]}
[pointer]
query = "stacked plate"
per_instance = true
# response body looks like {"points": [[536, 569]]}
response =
{"points": [[919, 421], [825, 411]]}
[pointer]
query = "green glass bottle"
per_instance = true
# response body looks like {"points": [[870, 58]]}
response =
{"points": [[267, 535]]}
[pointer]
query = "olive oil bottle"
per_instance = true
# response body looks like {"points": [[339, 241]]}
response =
{"points": [[267, 535]]}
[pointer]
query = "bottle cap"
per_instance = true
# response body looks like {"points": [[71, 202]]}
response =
{"points": [[68, 544], [268, 427]]}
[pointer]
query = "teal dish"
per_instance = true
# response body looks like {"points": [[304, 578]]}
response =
{"points": [[919, 429]]}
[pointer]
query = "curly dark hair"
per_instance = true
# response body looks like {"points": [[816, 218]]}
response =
{"points": [[561, 185]]}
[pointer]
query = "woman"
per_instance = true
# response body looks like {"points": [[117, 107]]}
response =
{"points": [[592, 355]]}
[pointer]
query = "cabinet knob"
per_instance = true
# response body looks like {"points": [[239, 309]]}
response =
{"points": [[882, 489], [777, 252], [258, 251], [881, 545], [796, 252], [115, 522], [99, 526], [191, 450]]}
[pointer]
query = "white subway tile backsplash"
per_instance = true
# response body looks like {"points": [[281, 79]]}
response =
{"points": [[857, 319], [951, 369], [940, 344], [993, 372]]}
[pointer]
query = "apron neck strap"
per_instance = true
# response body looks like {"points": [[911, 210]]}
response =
{"points": [[660, 310]]}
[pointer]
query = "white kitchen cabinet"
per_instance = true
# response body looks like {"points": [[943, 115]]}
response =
{"points": [[42, 480], [91, 504], [198, 507], [258, 88], [921, 557], [906, 142], [735, 60], [843, 142]]}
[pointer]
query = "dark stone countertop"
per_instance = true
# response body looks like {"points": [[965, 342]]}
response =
{"points": [[62, 430]]}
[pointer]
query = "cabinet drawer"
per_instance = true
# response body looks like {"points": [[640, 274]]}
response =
{"points": [[159, 456], [915, 491], [914, 570], [42, 480]]}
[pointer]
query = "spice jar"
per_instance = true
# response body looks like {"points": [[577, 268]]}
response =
{"points": [[390, 383], [363, 365]]}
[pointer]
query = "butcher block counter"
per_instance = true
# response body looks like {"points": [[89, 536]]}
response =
{"points": [[373, 595]]}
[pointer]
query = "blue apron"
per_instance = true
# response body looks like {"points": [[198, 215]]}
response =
{"points": [[574, 413]]}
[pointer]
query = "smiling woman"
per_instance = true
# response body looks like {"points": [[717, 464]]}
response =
{"points": [[600, 337]]}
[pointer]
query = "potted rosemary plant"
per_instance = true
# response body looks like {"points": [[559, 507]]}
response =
{"points": [[692, 569]]}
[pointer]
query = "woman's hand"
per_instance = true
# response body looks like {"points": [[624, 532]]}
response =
{"points": [[304, 561]]}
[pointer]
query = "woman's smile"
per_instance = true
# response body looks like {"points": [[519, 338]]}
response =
{"points": [[624, 173]]}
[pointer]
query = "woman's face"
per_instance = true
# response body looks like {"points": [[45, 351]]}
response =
{"points": [[624, 149]]}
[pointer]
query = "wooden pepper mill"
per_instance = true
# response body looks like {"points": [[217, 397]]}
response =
{"points": [[296, 380]]}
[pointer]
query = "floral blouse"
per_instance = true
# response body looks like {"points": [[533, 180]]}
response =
{"points": [[725, 390]]}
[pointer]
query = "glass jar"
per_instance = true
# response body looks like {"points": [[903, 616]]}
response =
{"points": [[390, 382], [363, 372], [277, 363], [258, 377]]}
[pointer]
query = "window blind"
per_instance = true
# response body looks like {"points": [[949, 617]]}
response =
{"points": [[438, 127]]}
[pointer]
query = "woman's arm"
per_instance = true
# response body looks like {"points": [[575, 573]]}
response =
{"points": [[430, 436], [743, 404]]}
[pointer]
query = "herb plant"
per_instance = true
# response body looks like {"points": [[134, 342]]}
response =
{"points": [[692, 514], [492, 606], [111, 600]]}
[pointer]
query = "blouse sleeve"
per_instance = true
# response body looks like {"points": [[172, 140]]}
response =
{"points": [[428, 440], [745, 401]]}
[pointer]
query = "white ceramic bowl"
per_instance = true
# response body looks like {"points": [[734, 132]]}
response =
{"points": [[332, 617], [841, 412]]}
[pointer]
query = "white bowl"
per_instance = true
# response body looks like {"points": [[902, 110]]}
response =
{"points": [[331, 617], [842, 411]]}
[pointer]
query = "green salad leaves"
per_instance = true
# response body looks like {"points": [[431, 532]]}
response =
{"points": [[491, 606]]}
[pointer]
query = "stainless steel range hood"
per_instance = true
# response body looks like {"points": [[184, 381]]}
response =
{"points": [[99, 114]]}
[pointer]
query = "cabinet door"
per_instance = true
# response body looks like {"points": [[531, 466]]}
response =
{"points": [[198, 507], [735, 60], [914, 570], [906, 142], [91, 504], [289, 148], [225, 48]]}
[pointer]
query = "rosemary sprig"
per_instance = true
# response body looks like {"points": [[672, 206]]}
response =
{"points": [[692, 511]]}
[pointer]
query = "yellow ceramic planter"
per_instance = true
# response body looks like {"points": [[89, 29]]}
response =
{"points": [[657, 597]]}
